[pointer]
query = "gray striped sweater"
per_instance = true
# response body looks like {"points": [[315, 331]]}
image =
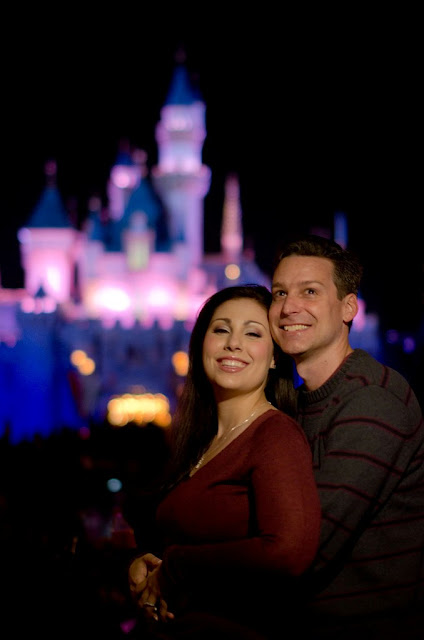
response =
{"points": [[366, 431]]}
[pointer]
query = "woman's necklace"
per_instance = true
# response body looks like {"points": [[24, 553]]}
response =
{"points": [[226, 436]]}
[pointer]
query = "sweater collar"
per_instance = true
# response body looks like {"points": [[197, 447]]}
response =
{"points": [[326, 389]]}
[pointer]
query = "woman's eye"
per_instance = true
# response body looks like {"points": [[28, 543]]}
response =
{"points": [[220, 330]]}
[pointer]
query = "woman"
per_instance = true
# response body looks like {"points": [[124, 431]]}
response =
{"points": [[240, 520]]}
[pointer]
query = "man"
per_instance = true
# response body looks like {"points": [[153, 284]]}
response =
{"points": [[366, 431]]}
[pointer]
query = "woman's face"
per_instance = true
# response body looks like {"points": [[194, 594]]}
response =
{"points": [[238, 348]]}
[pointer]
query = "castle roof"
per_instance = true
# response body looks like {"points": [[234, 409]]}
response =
{"points": [[50, 212], [143, 199], [182, 91]]}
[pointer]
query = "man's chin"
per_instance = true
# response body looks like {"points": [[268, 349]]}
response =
{"points": [[291, 342]]}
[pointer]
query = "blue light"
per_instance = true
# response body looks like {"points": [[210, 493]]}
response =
{"points": [[114, 485]]}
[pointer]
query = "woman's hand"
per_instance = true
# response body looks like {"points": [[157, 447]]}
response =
{"points": [[145, 588], [154, 604]]}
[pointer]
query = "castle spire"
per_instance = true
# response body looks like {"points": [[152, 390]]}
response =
{"points": [[231, 227]]}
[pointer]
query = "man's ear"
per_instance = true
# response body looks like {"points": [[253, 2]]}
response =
{"points": [[351, 307]]}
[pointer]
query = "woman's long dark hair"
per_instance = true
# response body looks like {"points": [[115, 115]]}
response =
{"points": [[195, 421]]}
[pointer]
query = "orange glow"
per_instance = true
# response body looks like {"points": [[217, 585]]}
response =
{"points": [[85, 365], [140, 409], [180, 363], [77, 357], [232, 271]]}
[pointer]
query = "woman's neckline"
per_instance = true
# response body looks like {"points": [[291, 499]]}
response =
{"points": [[230, 441]]}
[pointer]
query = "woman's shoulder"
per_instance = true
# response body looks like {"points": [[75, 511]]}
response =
{"points": [[275, 431], [274, 421]]}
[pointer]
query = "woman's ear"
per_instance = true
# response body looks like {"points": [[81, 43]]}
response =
{"points": [[272, 365]]}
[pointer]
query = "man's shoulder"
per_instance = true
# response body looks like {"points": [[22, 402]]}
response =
{"points": [[371, 379], [363, 366]]}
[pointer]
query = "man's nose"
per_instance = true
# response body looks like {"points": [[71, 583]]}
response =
{"points": [[290, 304]]}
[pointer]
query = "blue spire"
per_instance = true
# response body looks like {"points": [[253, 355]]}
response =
{"points": [[143, 199], [50, 212], [95, 227], [124, 156], [181, 90]]}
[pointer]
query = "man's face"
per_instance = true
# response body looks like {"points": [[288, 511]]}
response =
{"points": [[306, 317]]}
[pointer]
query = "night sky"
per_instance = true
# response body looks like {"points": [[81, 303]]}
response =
{"points": [[314, 117]]}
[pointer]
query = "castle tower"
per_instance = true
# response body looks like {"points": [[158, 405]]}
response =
{"points": [[47, 244], [180, 178]]}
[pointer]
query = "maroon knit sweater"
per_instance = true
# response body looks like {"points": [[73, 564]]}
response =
{"points": [[245, 525]]}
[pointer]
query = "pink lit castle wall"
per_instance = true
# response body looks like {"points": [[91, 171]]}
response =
{"points": [[101, 327]]}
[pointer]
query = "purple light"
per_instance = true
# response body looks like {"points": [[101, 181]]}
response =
{"points": [[409, 344], [392, 336]]}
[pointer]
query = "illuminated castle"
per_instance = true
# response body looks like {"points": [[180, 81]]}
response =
{"points": [[101, 328], [122, 291]]}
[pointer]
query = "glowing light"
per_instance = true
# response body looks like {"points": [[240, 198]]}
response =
{"points": [[179, 122], [121, 177], [409, 344], [77, 357], [53, 278], [181, 307], [112, 298], [180, 363], [114, 485], [158, 297], [189, 164], [85, 365], [140, 409], [232, 271]]}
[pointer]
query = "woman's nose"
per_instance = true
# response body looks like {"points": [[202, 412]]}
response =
{"points": [[233, 343]]}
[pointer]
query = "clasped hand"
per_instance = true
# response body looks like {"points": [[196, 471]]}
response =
{"points": [[143, 578]]}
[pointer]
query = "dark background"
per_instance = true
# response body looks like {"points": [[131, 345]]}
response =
{"points": [[315, 113]]}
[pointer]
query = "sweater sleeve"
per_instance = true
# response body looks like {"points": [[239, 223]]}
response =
{"points": [[285, 514]]}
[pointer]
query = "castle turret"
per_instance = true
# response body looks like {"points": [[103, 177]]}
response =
{"points": [[231, 227], [48, 243], [180, 178]]}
